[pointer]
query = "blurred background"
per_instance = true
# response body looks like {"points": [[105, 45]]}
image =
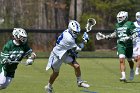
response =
{"points": [[44, 20]]}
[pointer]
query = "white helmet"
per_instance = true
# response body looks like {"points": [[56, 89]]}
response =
{"points": [[122, 16], [20, 34], [74, 27], [138, 16]]}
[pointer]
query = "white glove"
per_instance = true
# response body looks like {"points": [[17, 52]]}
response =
{"points": [[124, 38], [81, 45], [85, 37], [134, 35], [29, 61], [107, 37]]}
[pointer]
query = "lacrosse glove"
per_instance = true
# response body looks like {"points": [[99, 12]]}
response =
{"points": [[124, 38], [85, 37], [29, 61], [107, 37]]}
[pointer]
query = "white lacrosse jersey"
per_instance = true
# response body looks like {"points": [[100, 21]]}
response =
{"points": [[64, 42], [137, 39]]}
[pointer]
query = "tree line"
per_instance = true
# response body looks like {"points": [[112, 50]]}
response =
{"points": [[55, 14]]}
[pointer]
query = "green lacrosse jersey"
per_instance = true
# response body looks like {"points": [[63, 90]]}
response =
{"points": [[14, 53], [124, 30]]}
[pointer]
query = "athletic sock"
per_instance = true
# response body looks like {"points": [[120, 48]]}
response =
{"points": [[78, 78], [123, 75], [137, 69], [49, 85]]}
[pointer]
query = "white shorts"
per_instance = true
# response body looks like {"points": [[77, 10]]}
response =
{"points": [[55, 63], [136, 50]]}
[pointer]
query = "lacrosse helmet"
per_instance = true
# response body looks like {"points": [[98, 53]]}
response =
{"points": [[74, 28], [20, 35], [138, 16], [122, 16]]}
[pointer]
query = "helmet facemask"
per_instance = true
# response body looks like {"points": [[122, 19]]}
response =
{"points": [[75, 33], [22, 39]]}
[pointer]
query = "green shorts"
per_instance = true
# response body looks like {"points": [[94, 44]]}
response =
{"points": [[9, 70], [127, 51]]}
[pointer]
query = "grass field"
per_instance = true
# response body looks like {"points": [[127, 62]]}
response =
{"points": [[101, 73]]}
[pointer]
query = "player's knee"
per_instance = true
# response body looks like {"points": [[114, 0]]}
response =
{"points": [[121, 56], [138, 57], [76, 66]]}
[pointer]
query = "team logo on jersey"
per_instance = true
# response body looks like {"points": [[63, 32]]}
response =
{"points": [[16, 55]]}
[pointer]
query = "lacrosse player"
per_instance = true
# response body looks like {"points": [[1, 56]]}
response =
{"points": [[136, 44], [125, 31], [65, 51], [13, 52]]}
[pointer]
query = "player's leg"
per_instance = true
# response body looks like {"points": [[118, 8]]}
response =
{"points": [[129, 52], [138, 60], [131, 65], [49, 87], [122, 67], [7, 82], [55, 65], [4, 81], [137, 65], [71, 61], [121, 54]]}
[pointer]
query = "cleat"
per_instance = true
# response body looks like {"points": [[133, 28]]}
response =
{"points": [[83, 84], [48, 89], [131, 75], [123, 79]]}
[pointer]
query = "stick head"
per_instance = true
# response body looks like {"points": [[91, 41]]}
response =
{"points": [[90, 23], [100, 36]]}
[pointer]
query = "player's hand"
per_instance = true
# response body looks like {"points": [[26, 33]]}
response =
{"points": [[107, 37], [29, 61], [124, 38], [85, 37]]}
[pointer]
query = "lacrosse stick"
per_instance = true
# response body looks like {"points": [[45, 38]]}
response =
{"points": [[90, 23], [100, 36], [28, 52], [11, 62]]}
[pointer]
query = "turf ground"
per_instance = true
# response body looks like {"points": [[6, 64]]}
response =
{"points": [[101, 73]]}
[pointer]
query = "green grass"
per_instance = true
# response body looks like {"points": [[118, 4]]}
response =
{"points": [[102, 74], [86, 54]]}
